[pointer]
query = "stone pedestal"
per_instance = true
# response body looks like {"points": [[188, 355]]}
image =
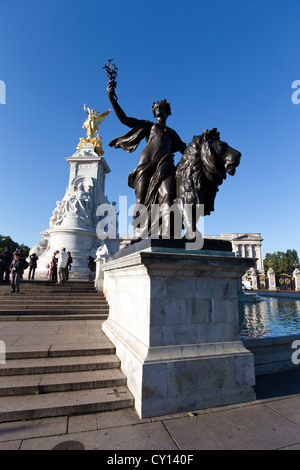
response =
{"points": [[296, 275], [173, 317], [102, 255], [253, 274], [74, 221], [272, 279]]}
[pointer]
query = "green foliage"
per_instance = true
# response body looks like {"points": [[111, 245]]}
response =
{"points": [[281, 262], [7, 241]]}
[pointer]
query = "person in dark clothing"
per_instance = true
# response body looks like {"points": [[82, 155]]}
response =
{"points": [[32, 265], [6, 258], [53, 266], [16, 269], [22, 259], [2, 264], [68, 267], [92, 267]]}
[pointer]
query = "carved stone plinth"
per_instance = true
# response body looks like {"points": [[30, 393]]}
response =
{"points": [[173, 317]]}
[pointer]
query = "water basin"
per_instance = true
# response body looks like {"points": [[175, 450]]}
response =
{"points": [[271, 317]]}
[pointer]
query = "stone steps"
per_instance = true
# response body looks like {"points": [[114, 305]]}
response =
{"points": [[46, 316], [67, 296], [79, 299], [53, 290], [46, 283], [49, 314], [96, 313], [51, 287], [16, 408], [61, 382], [64, 382], [49, 291], [53, 306], [39, 299], [59, 364], [39, 351], [51, 375]]}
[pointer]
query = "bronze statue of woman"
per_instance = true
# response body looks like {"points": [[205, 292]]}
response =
{"points": [[154, 177]]}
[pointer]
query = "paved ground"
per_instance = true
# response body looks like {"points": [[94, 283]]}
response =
{"points": [[268, 423], [271, 422]]}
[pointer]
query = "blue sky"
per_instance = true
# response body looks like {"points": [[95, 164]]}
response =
{"points": [[225, 64]]}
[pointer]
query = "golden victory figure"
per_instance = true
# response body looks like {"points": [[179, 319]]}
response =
{"points": [[91, 124]]}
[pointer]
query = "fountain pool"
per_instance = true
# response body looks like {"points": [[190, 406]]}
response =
{"points": [[270, 317]]}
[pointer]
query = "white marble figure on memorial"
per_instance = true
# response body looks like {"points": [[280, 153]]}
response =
{"points": [[82, 203], [102, 252], [57, 215], [76, 202], [39, 248]]}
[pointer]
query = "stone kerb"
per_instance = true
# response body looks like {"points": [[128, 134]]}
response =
{"points": [[174, 321]]}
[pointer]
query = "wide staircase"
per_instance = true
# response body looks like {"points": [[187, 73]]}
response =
{"points": [[58, 360], [46, 300]]}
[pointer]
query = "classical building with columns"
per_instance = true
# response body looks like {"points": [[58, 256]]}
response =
{"points": [[247, 245], [244, 245]]}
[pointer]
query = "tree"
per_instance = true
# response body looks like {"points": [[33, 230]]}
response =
{"points": [[281, 262], [12, 245]]}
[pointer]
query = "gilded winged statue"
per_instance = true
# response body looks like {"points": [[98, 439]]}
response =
{"points": [[91, 124], [94, 119]]}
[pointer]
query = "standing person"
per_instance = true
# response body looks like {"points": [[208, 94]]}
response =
{"points": [[92, 267], [6, 258], [68, 267], [32, 265], [49, 272], [53, 267], [16, 269], [22, 260], [62, 258], [2, 266]]}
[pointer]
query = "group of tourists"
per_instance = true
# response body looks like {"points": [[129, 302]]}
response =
{"points": [[60, 266], [13, 265]]}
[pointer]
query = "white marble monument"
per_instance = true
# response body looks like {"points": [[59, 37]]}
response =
{"points": [[74, 220]]}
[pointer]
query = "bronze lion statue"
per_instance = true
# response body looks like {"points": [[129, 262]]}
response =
{"points": [[201, 170]]}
